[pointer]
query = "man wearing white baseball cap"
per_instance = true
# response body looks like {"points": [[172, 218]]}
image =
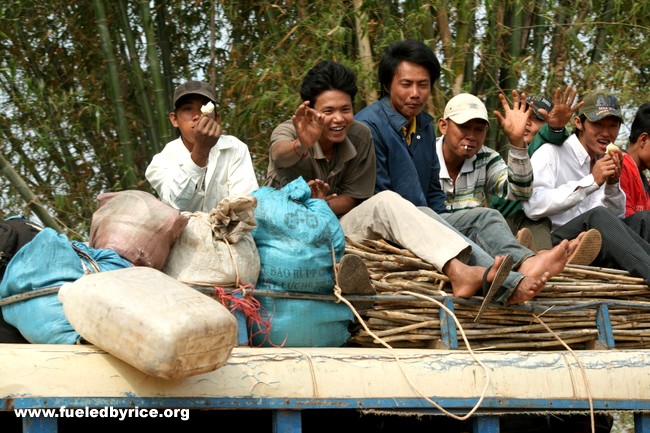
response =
{"points": [[464, 107], [470, 172]]}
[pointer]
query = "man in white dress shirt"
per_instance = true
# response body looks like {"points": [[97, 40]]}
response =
{"points": [[577, 186]]}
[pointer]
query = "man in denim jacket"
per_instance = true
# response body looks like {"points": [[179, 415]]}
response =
{"points": [[404, 138]]}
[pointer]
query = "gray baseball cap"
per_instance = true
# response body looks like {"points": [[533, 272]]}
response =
{"points": [[540, 101], [600, 105], [194, 88]]}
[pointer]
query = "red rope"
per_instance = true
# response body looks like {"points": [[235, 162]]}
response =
{"points": [[242, 299]]}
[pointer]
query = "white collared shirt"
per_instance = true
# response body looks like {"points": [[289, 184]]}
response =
{"points": [[563, 186], [185, 186]]}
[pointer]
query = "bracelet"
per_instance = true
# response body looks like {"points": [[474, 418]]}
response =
{"points": [[295, 144]]}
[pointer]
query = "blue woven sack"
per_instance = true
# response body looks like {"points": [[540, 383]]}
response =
{"points": [[299, 240], [49, 260]]}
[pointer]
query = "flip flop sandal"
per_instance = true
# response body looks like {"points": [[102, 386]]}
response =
{"points": [[490, 289], [588, 249], [525, 238], [353, 279]]}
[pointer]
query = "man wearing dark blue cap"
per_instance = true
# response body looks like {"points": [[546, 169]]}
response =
{"points": [[551, 117], [201, 167], [577, 186]]}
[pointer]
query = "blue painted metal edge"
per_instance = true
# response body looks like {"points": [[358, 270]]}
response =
{"points": [[456, 405], [448, 326], [604, 326]]}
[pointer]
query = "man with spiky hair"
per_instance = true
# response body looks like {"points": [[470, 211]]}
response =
{"points": [[325, 145]]}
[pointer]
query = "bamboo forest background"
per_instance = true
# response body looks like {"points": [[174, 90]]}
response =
{"points": [[85, 86]]}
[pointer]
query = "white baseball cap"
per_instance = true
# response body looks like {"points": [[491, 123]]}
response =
{"points": [[465, 107]]}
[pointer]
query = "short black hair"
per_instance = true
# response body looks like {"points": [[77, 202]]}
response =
{"points": [[328, 75], [408, 50], [641, 122], [583, 119], [576, 130]]}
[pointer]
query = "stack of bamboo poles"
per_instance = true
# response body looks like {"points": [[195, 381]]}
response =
{"points": [[567, 306]]}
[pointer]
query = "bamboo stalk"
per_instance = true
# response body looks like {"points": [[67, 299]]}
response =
{"points": [[417, 274], [408, 328], [531, 344], [385, 246], [570, 268], [606, 275], [568, 305]]}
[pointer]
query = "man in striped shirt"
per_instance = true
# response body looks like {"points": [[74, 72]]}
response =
{"points": [[470, 172]]}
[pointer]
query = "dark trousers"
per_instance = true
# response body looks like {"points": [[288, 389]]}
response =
{"points": [[626, 242]]}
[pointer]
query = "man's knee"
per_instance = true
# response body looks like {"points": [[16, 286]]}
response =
{"points": [[387, 195], [600, 217], [389, 202], [640, 223], [486, 214], [639, 219]]}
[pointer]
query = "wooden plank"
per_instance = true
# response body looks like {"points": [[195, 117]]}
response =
{"points": [[39, 425], [641, 423], [604, 325], [448, 326], [35, 372], [485, 424]]}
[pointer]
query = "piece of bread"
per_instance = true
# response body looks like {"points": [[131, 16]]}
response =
{"points": [[207, 108], [612, 148]]}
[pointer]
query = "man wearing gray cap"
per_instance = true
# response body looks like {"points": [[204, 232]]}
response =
{"points": [[546, 124], [198, 169], [577, 186]]}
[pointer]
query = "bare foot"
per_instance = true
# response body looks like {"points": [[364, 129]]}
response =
{"points": [[528, 288], [550, 261], [467, 280]]}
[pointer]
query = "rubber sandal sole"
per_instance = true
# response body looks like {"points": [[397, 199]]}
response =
{"points": [[588, 249], [491, 289], [353, 279]]}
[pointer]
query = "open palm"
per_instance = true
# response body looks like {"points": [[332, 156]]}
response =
{"points": [[514, 119], [308, 123]]}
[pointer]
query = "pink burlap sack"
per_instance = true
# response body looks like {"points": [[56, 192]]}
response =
{"points": [[137, 226]]}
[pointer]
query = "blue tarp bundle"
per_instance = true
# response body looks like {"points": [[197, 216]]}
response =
{"points": [[48, 260], [299, 240]]}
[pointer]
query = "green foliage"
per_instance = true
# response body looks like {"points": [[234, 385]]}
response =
{"points": [[64, 133]]}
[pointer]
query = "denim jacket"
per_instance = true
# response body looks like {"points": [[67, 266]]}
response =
{"points": [[410, 170]]}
